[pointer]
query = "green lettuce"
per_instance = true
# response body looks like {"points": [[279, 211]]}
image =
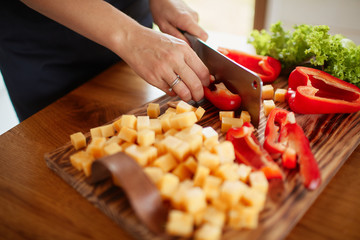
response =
{"points": [[312, 46]]}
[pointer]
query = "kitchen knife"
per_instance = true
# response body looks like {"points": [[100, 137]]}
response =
{"points": [[236, 78]]}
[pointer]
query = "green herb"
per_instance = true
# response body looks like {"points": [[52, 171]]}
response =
{"points": [[307, 44]]}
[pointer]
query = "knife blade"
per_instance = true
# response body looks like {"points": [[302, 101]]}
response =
{"points": [[236, 78]]}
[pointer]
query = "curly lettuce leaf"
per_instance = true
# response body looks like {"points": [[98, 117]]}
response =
{"points": [[334, 54]]}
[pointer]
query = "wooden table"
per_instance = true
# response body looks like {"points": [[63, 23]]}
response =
{"points": [[35, 203]]}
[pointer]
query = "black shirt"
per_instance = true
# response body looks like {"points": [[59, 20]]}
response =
{"points": [[41, 60]]}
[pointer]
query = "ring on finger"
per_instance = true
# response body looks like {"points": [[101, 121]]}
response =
{"points": [[176, 81]]}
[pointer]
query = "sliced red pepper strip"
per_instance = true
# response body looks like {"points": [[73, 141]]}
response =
{"points": [[267, 68], [222, 98], [249, 151], [285, 138], [313, 91], [309, 169]]}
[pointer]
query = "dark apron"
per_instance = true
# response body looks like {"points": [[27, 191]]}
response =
{"points": [[41, 60]]}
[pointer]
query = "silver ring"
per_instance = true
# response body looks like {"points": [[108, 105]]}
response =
{"points": [[176, 81]]}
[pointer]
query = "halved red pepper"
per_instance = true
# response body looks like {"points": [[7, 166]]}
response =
{"points": [[267, 68], [249, 151], [221, 97], [285, 138], [312, 91]]}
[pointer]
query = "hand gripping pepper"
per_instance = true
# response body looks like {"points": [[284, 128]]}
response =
{"points": [[267, 68], [285, 138], [221, 97], [249, 151], [313, 91]]}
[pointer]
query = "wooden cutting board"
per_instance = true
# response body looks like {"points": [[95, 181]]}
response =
{"points": [[333, 137]]}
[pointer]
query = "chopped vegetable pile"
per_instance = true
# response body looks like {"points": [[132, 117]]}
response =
{"points": [[313, 45]]}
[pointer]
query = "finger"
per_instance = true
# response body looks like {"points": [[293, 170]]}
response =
{"points": [[198, 67], [192, 27], [192, 82], [170, 29], [180, 88]]}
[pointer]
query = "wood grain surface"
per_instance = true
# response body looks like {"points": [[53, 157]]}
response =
{"points": [[333, 137], [35, 203]]}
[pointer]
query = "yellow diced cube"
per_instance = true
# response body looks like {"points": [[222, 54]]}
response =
{"points": [[125, 145], [168, 184], [78, 158], [145, 137], [171, 132], [177, 147], [154, 173], [268, 105], [225, 151], [199, 112], [112, 148], [153, 110], [214, 216], [180, 224], [95, 132], [165, 120], [182, 172], [165, 162], [232, 191], [142, 154], [114, 139], [228, 171], [228, 123], [128, 121], [245, 116], [182, 107], [155, 125], [208, 159], [128, 134], [211, 137], [96, 147], [117, 124], [183, 120], [107, 130], [170, 110], [267, 92], [200, 175], [243, 217], [280, 95], [259, 181], [254, 198], [219, 204], [78, 140], [229, 114], [143, 122], [211, 187], [194, 200], [194, 129], [177, 198], [191, 164], [244, 172], [208, 232]]}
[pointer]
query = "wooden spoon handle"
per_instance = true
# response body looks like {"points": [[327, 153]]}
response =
{"points": [[143, 195]]}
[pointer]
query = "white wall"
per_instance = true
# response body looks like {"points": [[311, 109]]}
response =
{"points": [[342, 16]]}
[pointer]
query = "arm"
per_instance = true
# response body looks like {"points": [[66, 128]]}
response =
{"points": [[155, 56]]}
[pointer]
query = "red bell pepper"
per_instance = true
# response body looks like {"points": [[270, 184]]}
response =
{"points": [[309, 169], [249, 151], [267, 68], [285, 138], [313, 91], [221, 97]]}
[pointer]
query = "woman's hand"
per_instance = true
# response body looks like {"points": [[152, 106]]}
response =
{"points": [[174, 15], [159, 58]]}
